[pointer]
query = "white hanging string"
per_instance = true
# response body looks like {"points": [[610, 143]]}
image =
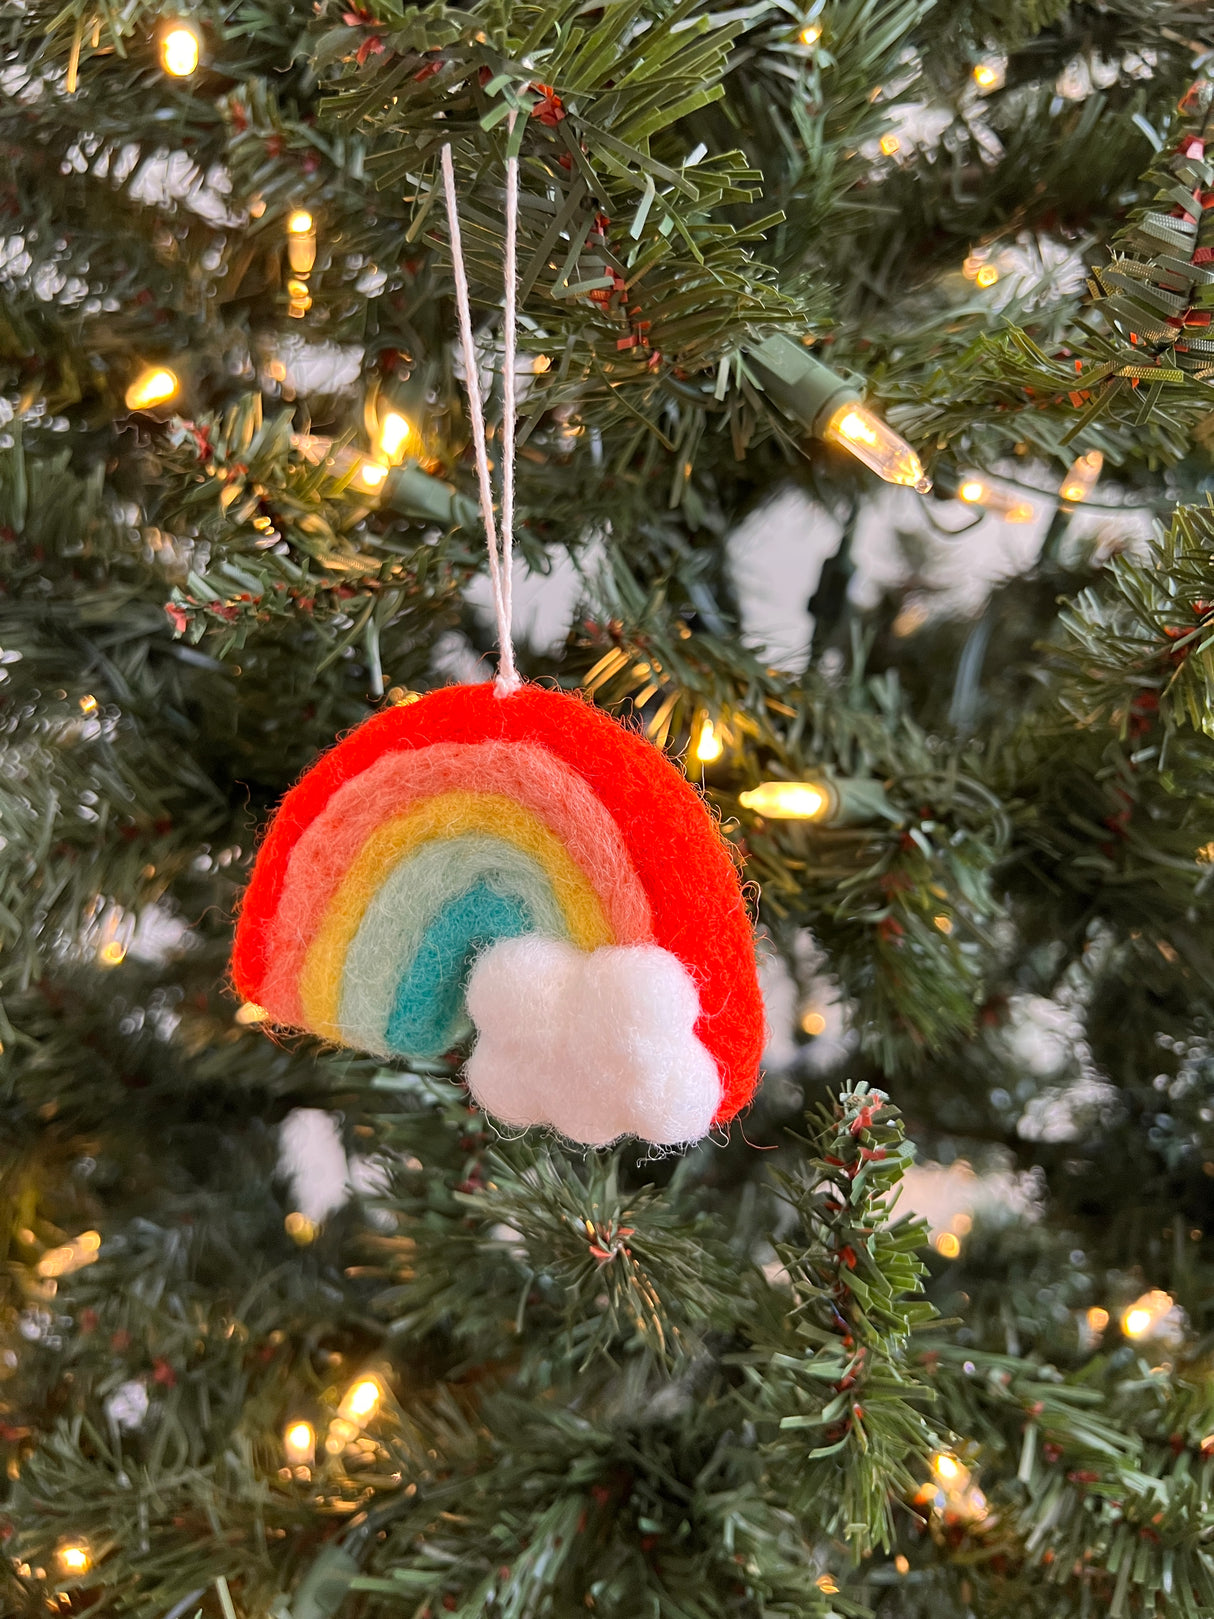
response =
{"points": [[510, 321], [508, 679]]}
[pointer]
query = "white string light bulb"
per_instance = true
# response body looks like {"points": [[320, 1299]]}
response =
{"points": [[301, 241], [709, 746], [361, 1400], [180, 49], [975, 491], [371, 474], [1147, 1315], [74, 1557], [788, 800], [395, 431], [299, 1443], [1081, 477], [875, 443], [989, 74], [155, 385]]}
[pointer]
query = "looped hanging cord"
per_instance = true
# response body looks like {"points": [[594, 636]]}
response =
{"points": [[500, 569], [509, 407]]}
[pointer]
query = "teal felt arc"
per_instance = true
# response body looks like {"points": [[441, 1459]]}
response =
{"points": [[428, 1015], [415, 894]]}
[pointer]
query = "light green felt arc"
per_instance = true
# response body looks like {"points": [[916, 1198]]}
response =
{"points": [[409, 900]]}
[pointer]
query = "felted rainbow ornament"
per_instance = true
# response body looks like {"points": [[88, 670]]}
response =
{"points": [[507, 860], [524, 865]]}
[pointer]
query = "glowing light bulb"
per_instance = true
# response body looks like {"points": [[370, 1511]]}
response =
{"points": [[180, 47], [1097, 1319], [299, 1443], [301, 241], [88, 705], [988, 75], [71, 1256], [813, 1023], [299, 1228], [394, 433], [1146, 1313], [986, 276], [975, 491], [300, 299], [153, 386], [250, 1013], [875, 443], [361, 1400], [948, 1245], [787, 800], [364, 1399], [912, 617], [946, 1466], [890, 144], [372, 473], [74, 1558], [811, 33], [942, 923], [1081, 476], [112, 954], [708, 744]]}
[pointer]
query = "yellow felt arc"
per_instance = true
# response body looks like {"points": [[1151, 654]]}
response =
{"points": [[446, 815]]}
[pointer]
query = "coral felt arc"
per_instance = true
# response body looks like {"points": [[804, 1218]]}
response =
{"points": [[525, 867]]}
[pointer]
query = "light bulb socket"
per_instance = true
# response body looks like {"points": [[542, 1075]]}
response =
{"points": [[858, 801], [414, 493], [946, 480], [326, 1582], [803, 387]]}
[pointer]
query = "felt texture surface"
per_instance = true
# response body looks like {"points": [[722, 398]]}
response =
{"points": [[445, 816], [410, 900], [683, 865], [391, 783], [606, 1047], [428, 1008]]}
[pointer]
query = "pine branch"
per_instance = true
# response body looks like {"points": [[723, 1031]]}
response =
{"points": [[841, 1374]]}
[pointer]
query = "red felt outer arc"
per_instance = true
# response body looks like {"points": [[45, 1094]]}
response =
{"points": [[680, 857]]}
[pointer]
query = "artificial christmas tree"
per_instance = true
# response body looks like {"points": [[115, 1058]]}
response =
{"points": [[295, 1331]]}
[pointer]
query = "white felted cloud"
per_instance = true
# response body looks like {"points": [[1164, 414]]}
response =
{"points": [[597, 1044]]}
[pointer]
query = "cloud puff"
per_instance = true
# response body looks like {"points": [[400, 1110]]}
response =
{"points": [[597, 1044]]}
